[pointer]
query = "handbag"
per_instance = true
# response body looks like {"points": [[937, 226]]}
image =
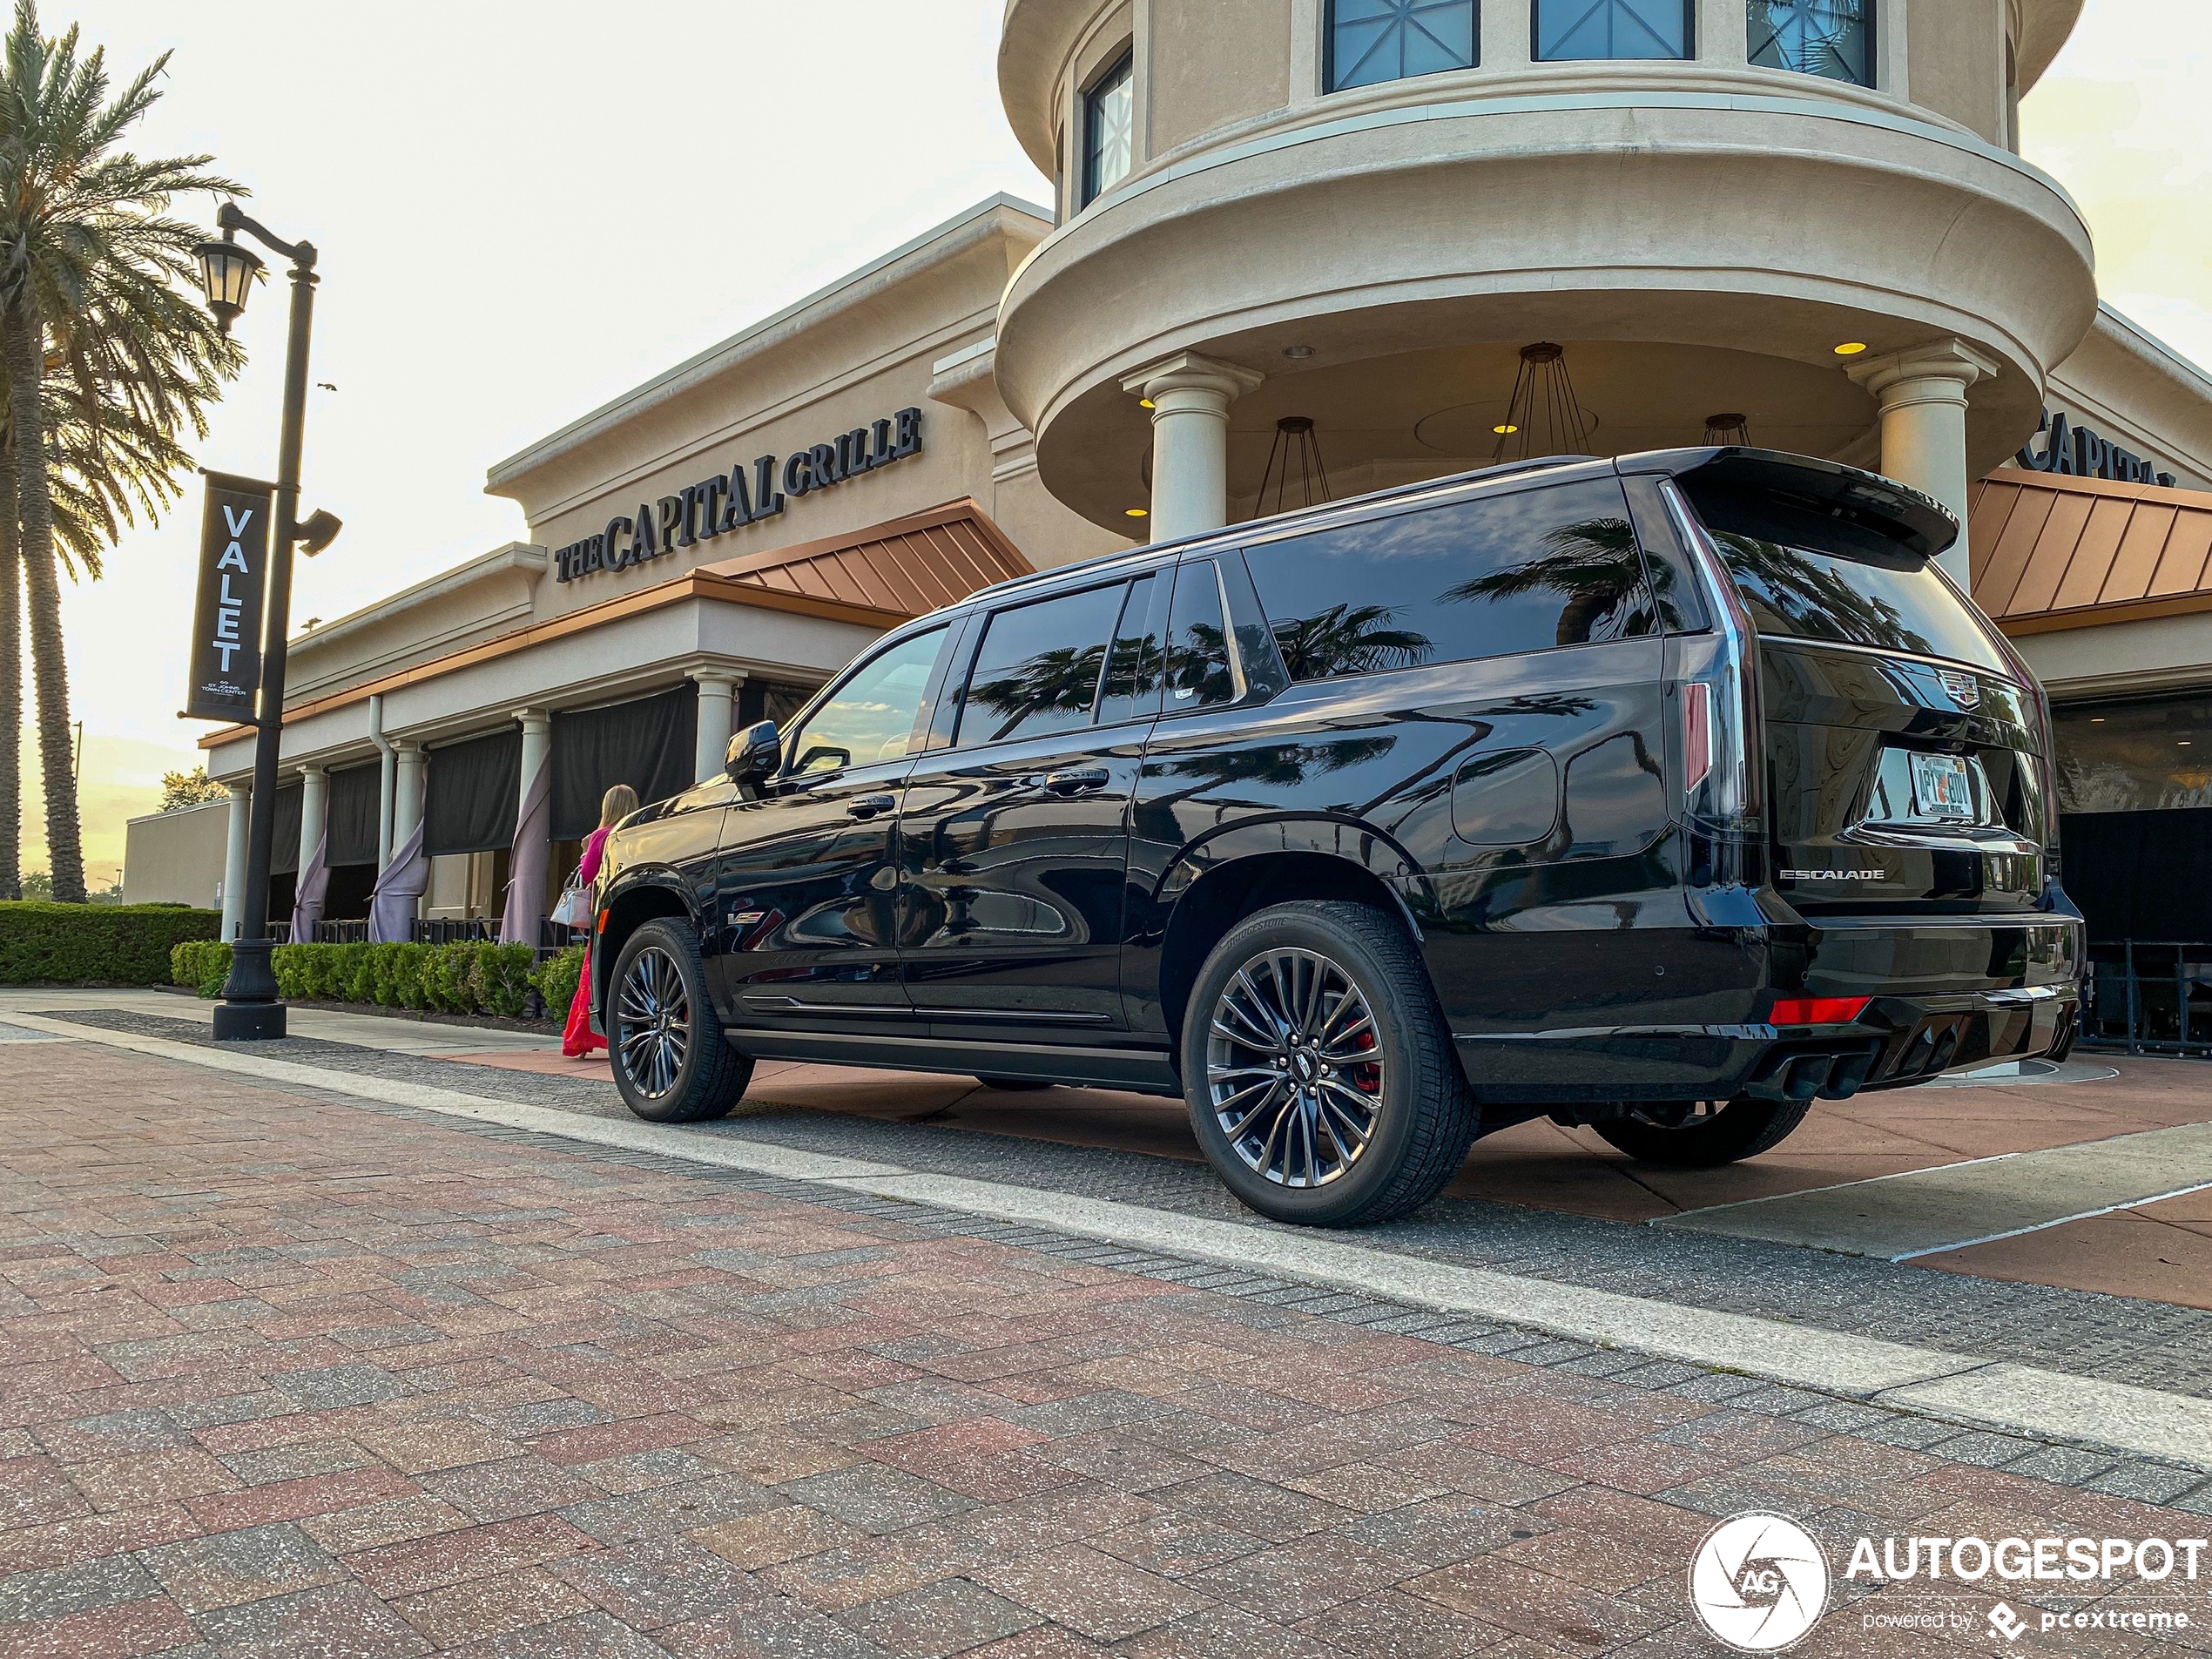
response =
{"points": [[573, 908]]}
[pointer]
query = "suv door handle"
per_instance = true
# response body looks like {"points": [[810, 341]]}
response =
{"points": [[1074, 783], [872, 806]]}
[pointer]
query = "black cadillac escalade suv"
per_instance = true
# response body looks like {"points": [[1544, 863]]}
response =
{"points": [[1666, 794]]}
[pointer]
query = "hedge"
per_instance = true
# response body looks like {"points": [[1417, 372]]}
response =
{"points": [[77, 944], [442, 979]]}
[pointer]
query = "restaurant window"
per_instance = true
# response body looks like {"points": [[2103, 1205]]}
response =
{"points": [[1373, 41], [1831, 38], [2155, 755], [1110, 129], [1580, 29]]}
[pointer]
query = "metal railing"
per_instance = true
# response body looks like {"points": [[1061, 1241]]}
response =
{"points": [[2149, 996]]}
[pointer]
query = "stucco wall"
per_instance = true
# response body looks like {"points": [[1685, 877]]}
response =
{"points": [[1956, 55], [1216, 63], [856, 353], [176, 857]]}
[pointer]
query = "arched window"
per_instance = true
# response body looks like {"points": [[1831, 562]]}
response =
{"points": [[1833, 38], [1371, 40], [1567, 28], [1110, 127]]}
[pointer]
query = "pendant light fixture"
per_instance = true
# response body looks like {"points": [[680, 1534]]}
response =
{"points": [[1296, 450], [1543, 417]]}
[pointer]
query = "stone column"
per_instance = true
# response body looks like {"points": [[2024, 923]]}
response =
{"points": [[1922, 395], [1191, 397], [406, 790], [313, 797], [718, 718], [234, 851], [524, 906]]}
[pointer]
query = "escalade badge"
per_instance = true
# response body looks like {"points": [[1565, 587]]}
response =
{"points": [[1964, 689]]}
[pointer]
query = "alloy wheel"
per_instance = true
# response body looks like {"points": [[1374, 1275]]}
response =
{"points": [[1294, 1069], [653, 1022]]}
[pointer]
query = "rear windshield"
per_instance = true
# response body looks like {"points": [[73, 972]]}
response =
{"points": [[1806, 577]]}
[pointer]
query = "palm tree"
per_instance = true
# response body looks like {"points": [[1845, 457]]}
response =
{"points": [[113, 455], [93, 272]]}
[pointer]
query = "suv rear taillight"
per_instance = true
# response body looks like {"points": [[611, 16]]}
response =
{"points": [[1719, 707]]}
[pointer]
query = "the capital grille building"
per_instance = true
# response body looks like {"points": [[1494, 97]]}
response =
{"points": [[1298, 250]]}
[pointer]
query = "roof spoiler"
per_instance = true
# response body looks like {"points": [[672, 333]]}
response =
{"points": [[1918, 524]]}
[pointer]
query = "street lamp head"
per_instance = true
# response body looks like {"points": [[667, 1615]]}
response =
{"points": [[226, 271], [318, 531]]}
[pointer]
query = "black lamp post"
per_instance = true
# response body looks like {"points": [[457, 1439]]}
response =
{"points": [[250, 1010]]}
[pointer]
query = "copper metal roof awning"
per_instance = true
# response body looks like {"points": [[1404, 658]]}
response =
{"points": [[2052, 552], [888, 573]]}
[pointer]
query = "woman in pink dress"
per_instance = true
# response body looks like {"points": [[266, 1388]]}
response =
{"points": [[579, 1040]]}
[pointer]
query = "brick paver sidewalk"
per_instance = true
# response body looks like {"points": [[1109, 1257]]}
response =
{"points": [[285, 1376]]}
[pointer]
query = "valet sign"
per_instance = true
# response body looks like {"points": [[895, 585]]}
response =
{"points": [[226, 617], [746, 494]]}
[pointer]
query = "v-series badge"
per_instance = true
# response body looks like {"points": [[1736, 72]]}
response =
{"points": [[719, 505], [1835, 875]]}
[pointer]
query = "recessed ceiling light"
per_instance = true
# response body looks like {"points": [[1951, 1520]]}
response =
{"points": [[1146, 403], [2096, 719], [1298, 351], [1504, 431], [1138, 512], [1850, 348]]}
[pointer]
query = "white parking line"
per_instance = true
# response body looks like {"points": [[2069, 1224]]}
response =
{"points": [[2017, 1399], [1924, 1212]]}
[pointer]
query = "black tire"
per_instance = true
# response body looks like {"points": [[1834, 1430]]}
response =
{"points": [[1743, 1129], [658, 991], [1411, 1096], [1012, 1085]]}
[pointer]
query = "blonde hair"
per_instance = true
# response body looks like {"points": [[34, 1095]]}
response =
{"points": [[616, 805]]}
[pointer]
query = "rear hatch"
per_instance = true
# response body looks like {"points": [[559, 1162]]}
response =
{"points": [[1904, 745]]}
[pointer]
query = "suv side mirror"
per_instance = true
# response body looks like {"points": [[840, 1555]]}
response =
{"points": [[755, 754]]}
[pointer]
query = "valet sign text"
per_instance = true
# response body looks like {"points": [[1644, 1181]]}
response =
{"points": [[1760, 1582]]}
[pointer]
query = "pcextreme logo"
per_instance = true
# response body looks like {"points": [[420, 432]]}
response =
{"points": [[1759, 1582]]}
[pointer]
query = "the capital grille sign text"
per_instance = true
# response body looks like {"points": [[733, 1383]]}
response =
{"points": [[744, 496], [226, 615]]}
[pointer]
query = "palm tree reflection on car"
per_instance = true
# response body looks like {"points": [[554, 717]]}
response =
{"points": [[1596, 565], [1795, 585], [1061, 682]]}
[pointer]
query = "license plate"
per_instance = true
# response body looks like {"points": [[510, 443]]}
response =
{"points": [[1941, 790]]}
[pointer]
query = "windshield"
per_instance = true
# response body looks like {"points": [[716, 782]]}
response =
{"points": [[1809, 593]]}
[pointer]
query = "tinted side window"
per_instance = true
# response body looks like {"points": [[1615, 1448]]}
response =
{"points": [[872, 716], [1133, 667], [1038, 668], [1529, 572], [1198, 667]]}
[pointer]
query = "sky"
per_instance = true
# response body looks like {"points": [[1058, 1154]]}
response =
{"points": [[524, 209]]}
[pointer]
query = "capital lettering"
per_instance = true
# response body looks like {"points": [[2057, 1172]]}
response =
{"points": [[234, 559], [766, 503]]}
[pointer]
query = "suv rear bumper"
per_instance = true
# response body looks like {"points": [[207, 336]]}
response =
{"points": [[1947, 993], [1905, 1040]]}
